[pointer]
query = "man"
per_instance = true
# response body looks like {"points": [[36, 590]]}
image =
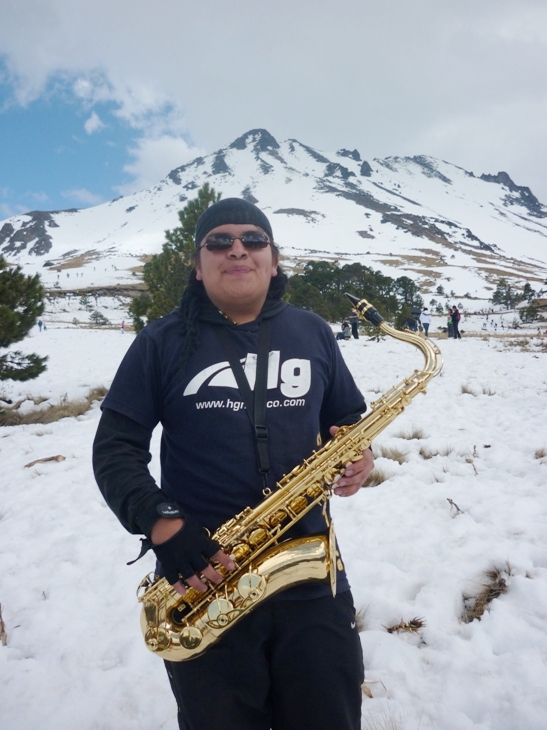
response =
{"points": [[295, 663], [425, 319], [353, 319], [455, 319]]}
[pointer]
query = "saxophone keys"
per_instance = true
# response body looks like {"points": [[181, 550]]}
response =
{"points": [[257, 537], [277, 518], [218, 611], [314, 491], [190, 637], [157, 640], [251, 586], [240, 552], [298, 504]]}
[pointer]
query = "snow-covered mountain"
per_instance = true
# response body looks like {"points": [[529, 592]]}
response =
{"points": [[414, 216]]}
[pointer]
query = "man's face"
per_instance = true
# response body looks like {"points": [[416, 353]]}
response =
{"points": [[239, 277]]}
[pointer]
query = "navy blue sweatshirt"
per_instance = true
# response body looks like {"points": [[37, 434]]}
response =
{"points": [[208, 455]]}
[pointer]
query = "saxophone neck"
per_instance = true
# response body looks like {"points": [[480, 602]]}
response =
{"points": [[432, 354]]}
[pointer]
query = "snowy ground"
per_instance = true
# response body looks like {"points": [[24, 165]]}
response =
{"points": [[75, 656]]}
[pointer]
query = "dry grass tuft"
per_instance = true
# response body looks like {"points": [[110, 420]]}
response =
{"points": [[493, 587], [468, 390], [426, 453], [540, 453], [3, 634], [393, 453], [410, 627], [386, 721], [64, 409], [415, 433], [488, 391], [361, 619], [376, 477]]}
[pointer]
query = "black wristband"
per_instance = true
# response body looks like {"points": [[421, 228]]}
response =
{"points": [[169, 510]]}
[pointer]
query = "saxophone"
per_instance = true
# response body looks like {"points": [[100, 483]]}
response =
{"points": [[178, 627]]}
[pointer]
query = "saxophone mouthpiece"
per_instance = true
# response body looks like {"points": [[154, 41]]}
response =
{"points": [[366, 310]]}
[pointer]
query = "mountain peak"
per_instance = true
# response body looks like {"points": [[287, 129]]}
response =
{"points": [[522, 194], [260, 140], [354, 154]]}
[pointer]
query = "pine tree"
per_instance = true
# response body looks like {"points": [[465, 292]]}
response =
{"points": [[21, 303], [166, 274]]}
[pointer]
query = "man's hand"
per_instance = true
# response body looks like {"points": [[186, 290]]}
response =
{"points": [[165, 530], [356, 473]]}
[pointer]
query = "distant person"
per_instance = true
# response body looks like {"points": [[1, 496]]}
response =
{"points": [[449, 327], [122, 327], [425, 319], [353, 319], [411, 323], [345, 334], [40, 324], [455, 317]]}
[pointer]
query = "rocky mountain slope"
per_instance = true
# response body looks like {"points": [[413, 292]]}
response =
{"points": [[414, 216]]}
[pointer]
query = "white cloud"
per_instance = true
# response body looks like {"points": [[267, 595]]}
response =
{"points": [[153, 159], [81, 195], [94, 124], [6, 211], [358, 73], [40, 197]]}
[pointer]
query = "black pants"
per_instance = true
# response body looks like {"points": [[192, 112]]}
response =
{"points": [[456, 331], [355, 330], [290, 665]]}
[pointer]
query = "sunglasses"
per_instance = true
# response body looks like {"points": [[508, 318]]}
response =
{"points": [[253, 240]]}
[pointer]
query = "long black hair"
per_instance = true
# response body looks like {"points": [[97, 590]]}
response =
{"points": [[195, 301]]}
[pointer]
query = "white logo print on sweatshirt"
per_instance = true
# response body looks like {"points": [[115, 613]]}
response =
{"points": [[293, 376]]}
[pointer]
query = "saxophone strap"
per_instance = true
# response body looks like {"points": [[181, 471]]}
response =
{"points": [[255, 403]]}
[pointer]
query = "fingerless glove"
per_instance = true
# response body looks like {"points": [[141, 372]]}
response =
{"points": [[187, 552]]}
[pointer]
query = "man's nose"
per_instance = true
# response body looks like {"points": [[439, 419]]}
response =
{"points": [[238, 249]]}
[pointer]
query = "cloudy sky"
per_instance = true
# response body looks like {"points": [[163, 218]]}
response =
{"points": [[103, 98]]}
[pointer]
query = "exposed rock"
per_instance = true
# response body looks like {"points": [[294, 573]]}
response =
{"points": [[397, 195], [365, 234], [219, 166], [131, 209], [310, 215], [248, 196], [366, 169], [354, 154], [311, 152], [423, 227], [175, 174], [524, 195], [260, 139], [6, 231], [357, 196], [334, 169], [429, 168], [265, 167], [31, 231]]}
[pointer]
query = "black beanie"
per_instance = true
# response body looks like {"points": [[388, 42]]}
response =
{"points": [[231, 210]]}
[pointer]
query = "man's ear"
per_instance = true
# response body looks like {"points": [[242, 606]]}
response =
{"points": [[198, 271]]}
